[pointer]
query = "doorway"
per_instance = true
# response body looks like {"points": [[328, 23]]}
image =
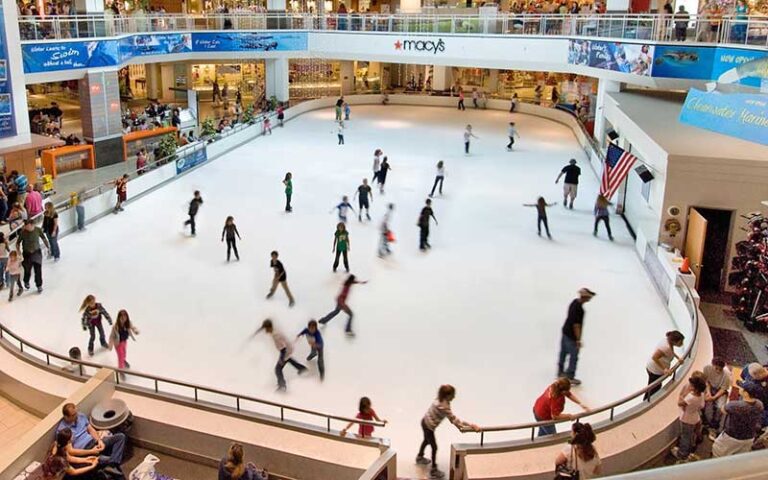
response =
{"points": [[707, 246]]}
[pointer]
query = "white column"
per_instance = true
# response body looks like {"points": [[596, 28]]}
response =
{"points": [[410, 6], [276, 5], [152, 74], [276, 72], [15, 72], [603, 87], [167, 81], [441, 77]]}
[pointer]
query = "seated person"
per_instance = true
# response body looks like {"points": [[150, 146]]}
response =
{"points": [[232, 466], [61, 463], [86, 441]]}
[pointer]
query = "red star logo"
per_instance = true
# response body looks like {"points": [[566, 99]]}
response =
{"points": [[398, 45]]}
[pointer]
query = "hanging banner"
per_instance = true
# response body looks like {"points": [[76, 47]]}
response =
{"points": [[7, 117], [192, 160], [154, 44], [248, 42], [54, 56], [739, 115], [632, 58], [721, 64]]}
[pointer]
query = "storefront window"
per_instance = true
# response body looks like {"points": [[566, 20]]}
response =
{"points": [[248, 77], [314, 78]]}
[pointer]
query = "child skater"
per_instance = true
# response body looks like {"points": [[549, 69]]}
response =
{"points": [[383, 170], [340, 132], [13, 270], [288, 182], [376, 164], [341, 304], [439, 177], [91, 321], [285, 349], [279, 278], [347, 110], [230, 231], [424, 216], [438, 411], [118, 338], [121, 188], [194, 207], [316, 346], [386, 233], [511, 133], [280, 114], [364, 193], [364, 412], [342, 209], [467, 136], [541, 208], [267, 130], [341, 246]]}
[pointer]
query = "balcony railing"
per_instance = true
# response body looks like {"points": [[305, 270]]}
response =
{"points": [[751, 30]]}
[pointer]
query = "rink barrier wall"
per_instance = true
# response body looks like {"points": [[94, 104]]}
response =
{"points": [[635, 431]]}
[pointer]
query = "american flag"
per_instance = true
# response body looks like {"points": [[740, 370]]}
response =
{"points": [[616, 167]]}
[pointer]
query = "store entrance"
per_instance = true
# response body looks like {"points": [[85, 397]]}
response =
{"points": [[709, 245]]}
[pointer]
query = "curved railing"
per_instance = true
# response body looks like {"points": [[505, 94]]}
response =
{"points": [[78, 369], [751, 30], [628, 401]]}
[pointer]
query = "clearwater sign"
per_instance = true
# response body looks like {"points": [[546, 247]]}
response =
{"points": [[433, 46]]}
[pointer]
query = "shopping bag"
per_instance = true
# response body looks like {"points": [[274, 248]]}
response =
{"points": [[146, 469]]}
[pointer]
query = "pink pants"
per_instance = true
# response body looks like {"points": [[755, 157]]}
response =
{"points": [[121, 353]]}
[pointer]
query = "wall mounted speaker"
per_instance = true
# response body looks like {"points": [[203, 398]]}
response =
{"points": [[645, 174]]}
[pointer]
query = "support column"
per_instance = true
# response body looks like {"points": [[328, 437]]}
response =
{"points": [[154, 82], [441, 78], [276, 23], [276, 70], [603, 87], [493, 82], [100, 113], [347, 72]]}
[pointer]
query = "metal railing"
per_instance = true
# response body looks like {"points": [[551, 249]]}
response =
{"points": [[629, 400], [193, 391], [752, 30]]}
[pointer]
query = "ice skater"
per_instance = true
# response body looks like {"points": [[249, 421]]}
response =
{"points": [[572, 333], [267, 128], [280, 278], [513, 103], [424, 216], [385, 168], [194, 207], [316, 346], [342, 208], [437, 412], [541, 208], [285, 350], [288, 182], [467, 136], [571, 185], [340, 132], [280, 114], [511, 133], [341, 305], [347, 110], [439, 177], [365, 196], [13, 272], [230, 231], [341, 246], [91, 321], [121, 189], [461, 100], [376, 164], [366, 412], [338, 108], [602, 215], [118, 338], [387, 236]]}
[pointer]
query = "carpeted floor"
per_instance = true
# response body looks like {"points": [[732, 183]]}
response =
{"points": [[171, 466], [731, 346]]}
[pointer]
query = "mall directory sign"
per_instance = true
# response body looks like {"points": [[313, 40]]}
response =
{"points": [[42, 57], [740, 115], [7, 121]]}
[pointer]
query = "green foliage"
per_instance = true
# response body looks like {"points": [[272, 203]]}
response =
{"points": [[272, 103], [249, 114], [166, 150], [208, 128]]}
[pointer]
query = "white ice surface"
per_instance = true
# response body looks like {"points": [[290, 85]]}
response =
{"points": [[482, 310]]}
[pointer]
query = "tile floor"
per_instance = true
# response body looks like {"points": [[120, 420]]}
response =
{"points": [[14, 422]]}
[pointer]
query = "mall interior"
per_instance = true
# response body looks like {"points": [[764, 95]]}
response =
{"points": [[662, 104]]}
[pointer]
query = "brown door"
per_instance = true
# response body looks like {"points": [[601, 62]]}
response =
{"points": [[695, 237]]}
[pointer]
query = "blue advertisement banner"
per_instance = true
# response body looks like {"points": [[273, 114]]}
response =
{"points": [[154, 44], [632, 58], [739, 115], [721, 64], [190, 161], [248, 42], [747, 67], [7, 117], [54, 56]]}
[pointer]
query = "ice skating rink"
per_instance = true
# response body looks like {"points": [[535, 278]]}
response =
{"points": [[482, 310]]}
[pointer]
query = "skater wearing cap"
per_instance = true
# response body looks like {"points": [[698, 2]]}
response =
{"points": [[511, 133], [280, 278], [439, 411], [286, 350], [570, 187], [570, 343]]}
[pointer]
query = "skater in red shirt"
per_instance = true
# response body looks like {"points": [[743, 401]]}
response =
{"points": [[121, 188], [341, 305], [365, 412]]}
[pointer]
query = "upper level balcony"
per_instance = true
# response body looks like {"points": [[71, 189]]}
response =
{"points": [[698, 29]]}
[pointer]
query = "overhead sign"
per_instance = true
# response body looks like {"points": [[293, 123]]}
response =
{"points": [[632, 58], [431, 46], [154, 44], [739, 115], [53, 56], [721, 64], [248, 42]]}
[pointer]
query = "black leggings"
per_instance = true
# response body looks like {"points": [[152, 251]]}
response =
{"points": [[429, 439], [231, 245], [336, 261], [546, 224], [438, 179], [604, 219], [652, 377], [288, 207]]}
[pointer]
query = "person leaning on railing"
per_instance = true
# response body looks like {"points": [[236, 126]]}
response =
{"points": [[551, 403]]}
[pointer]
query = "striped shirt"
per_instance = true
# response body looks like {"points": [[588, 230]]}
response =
{"points": [[439, 411]]}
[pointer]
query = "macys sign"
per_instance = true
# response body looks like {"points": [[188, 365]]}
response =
{"points": [[421, 45]]}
